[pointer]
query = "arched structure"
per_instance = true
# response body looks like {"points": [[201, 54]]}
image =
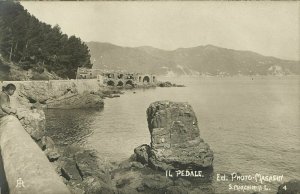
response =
{"points": [[120, 76], [120, 83], [111, 75], [146, 79], [110, 83], [129, 82], [120, 79]]}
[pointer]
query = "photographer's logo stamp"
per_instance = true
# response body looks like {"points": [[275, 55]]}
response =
{"points": [[20, 183], [255, 182]]}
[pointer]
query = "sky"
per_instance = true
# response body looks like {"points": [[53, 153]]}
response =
{"points": [[269, 28]]}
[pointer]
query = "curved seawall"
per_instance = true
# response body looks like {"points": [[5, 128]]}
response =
{"points": [[26, 167]]}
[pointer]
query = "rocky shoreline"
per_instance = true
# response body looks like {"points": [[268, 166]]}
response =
{"points": [[177, 159], [136, 174], [81, 170], [175, 146]]}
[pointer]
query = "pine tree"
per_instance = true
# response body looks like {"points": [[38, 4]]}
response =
{"points": [[36, 45]]}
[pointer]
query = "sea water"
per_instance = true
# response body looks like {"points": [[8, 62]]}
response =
{"points": [[251, 123]]}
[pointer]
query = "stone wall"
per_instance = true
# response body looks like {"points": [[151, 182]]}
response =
{"points": [[27, 169]]}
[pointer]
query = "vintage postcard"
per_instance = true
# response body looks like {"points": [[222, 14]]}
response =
{"points": [[149, 97]]}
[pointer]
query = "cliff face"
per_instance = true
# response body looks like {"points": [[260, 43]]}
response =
{"points": [[67, 94]]}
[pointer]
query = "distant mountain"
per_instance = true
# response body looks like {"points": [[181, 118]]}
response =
{"points": [[201, 60]]}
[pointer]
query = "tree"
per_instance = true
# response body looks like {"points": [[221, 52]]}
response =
{"points": [[35, 45]]}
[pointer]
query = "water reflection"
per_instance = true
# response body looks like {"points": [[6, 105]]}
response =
{"points": [[69, 126]]}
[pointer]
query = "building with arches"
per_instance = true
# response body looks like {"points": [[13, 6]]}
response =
{"points": [[116, 78]]}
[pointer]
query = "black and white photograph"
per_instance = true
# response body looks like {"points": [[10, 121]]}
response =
{"points": [[150, 97]]}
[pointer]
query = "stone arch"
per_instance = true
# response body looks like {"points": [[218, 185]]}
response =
{"points": [[111, 83], [120, 83], [129, 82], [120, 76], [110, 75], [146, 79]]}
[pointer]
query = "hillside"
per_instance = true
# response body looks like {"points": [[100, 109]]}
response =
{"points": [[36, 46], [10, 71], [4, 69], [207, 60]]}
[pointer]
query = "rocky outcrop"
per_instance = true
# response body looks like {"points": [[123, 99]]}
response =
{"points": [[83, 172], [73, 101], [41, 91], [175, 139], [142, 153], [63, 95], [290, 187], [106, 92], [34, 121], [168, 84], [49, 148], [175, 145]]}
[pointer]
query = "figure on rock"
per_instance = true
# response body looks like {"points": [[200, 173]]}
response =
{"points": [[5, 108]]}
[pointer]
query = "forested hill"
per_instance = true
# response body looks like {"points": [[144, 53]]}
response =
{"points": [[36, 46]]}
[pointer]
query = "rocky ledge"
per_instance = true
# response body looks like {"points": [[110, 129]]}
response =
{"points": [[168, 84], [65, 97]]}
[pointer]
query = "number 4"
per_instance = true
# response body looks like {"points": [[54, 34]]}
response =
{"points": [[284, 187]]}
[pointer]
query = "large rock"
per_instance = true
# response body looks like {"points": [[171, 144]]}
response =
{"points": [[69, 170], [56, 94], [41, 91], [34, 121], [92, 185], [88, 165], [72, 101], [34, 91], [156, 182], [142, 153], [81, 170], [49, 148], [175, 137], [176, 190]]}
